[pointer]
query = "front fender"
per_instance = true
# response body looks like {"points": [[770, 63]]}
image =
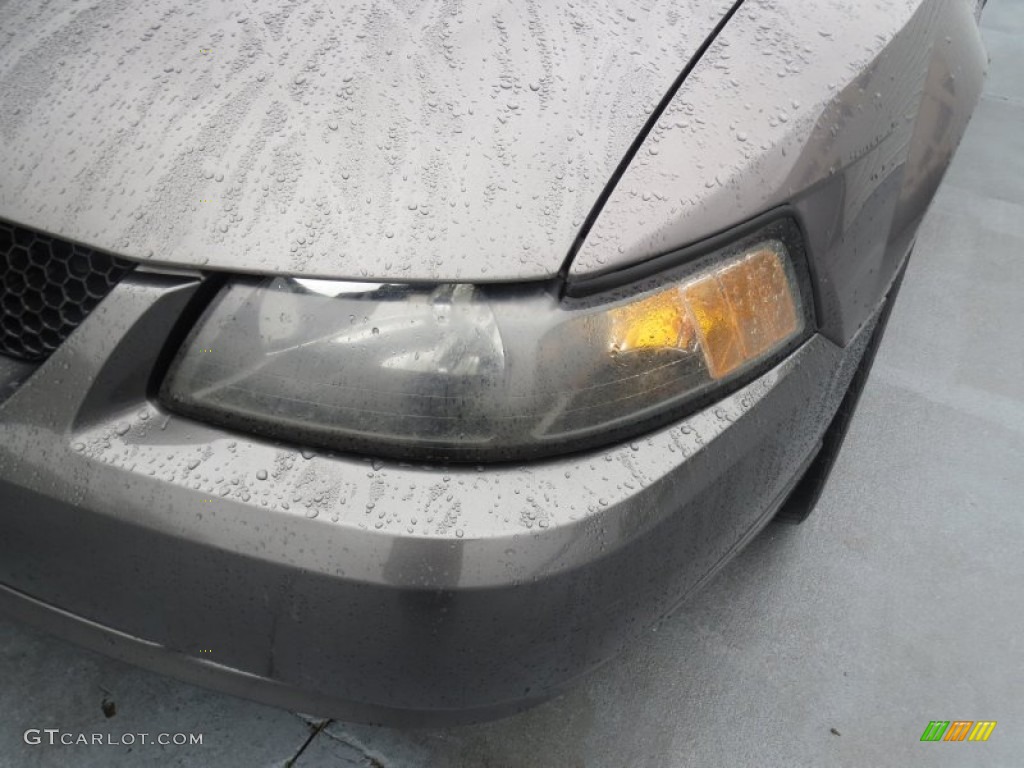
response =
{"points": [[851, 115]]}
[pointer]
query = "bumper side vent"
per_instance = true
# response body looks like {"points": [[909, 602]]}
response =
{"points": [[47, 288]]}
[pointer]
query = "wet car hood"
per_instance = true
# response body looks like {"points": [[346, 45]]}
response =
{"points": [[415, 140]]}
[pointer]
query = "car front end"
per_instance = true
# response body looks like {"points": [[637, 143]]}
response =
{"points": [[410, 471]]}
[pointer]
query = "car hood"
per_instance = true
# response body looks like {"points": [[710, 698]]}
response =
{"points": [[409, 140]]}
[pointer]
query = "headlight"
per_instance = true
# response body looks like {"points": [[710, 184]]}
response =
{"points": [[489, 372]]}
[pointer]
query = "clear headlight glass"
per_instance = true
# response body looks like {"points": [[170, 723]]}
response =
{"points": [[458, 372]]}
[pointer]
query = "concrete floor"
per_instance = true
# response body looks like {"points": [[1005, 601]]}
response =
{"points": [[900, 601]]}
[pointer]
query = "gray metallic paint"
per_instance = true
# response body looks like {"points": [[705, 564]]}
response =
{"points": [[388, 591], [412, 140], [512, 581], [851, 114]]}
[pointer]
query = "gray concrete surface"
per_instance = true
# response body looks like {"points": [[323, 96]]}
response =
{"points": [[900, 601]]}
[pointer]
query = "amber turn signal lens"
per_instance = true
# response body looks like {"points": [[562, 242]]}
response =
{"points": [[734, 313], [742, 310], [656, 322]]}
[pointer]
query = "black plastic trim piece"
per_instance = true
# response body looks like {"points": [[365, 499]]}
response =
{"points": [[642, 270], [48, 287], [805, 494], [209, 286]]}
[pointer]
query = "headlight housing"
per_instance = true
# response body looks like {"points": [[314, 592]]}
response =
{"points": [[459, 372]]}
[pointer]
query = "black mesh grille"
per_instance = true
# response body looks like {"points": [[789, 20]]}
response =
{"points": [[47, 287]]}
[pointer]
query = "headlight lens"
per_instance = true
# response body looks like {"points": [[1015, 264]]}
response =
{"points": [[460, 372]]}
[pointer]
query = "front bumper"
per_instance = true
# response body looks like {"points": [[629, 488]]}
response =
{"points": [[360, 589]]}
